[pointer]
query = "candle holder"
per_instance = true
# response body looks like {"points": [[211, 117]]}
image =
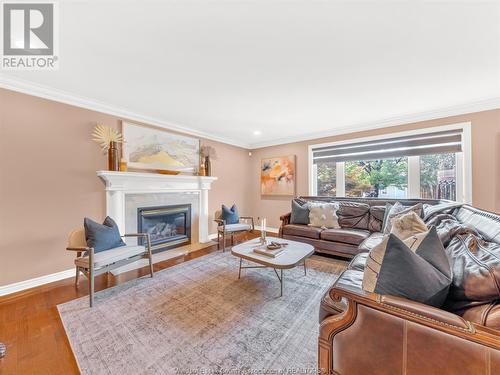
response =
{"points": [[263, 240]]}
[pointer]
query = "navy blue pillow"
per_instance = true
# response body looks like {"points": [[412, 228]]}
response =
{"points": [[230, 215], [103, 236]]}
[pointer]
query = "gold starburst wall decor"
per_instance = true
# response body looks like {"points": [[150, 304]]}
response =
{"points": [[104, 134]]}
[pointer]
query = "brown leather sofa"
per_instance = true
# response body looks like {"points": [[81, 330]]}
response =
{"points": [[360, 221], [368, 333]]}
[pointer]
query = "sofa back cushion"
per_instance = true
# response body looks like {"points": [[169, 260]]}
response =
{"points": [[486, 223], [353, 215], [476, 272]]}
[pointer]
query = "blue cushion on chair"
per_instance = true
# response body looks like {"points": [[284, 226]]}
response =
{"points": [[231, 216], [103, 236]]}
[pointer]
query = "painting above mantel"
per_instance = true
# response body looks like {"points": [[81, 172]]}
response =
{"points": [[154, 149]]}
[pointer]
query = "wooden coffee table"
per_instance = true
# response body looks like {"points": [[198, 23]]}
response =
{"points": [[294, 254]]}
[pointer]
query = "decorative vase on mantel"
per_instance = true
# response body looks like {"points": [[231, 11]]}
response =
{"points": [[113, 157], [208, 166]]}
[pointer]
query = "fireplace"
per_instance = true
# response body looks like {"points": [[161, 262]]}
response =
{"points": [[167, 226]]}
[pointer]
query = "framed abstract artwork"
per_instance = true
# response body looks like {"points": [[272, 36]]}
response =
{"points": [[155, 149], [277, 175]]}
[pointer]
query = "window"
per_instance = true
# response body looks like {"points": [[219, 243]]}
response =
{"points": [[377, 178], [428, 164], [438, 176], [327, 179]]}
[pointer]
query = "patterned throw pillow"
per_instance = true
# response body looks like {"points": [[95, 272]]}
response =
{"points": [[397, 210], [410, 229], [416, 268], [323, 215]]}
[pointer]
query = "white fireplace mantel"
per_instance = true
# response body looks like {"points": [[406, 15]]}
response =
{"points": [[118, 184]]}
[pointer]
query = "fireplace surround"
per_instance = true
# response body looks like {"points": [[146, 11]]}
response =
{"points": [[128, 191]]}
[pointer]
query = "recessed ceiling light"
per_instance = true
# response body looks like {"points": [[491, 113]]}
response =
{"points": [[257, 132]]}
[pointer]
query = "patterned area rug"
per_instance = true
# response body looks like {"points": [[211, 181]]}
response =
{"points": [[198, 318]]}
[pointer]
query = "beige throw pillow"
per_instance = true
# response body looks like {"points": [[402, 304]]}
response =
{"points": [[323, 215], [407, 225], [409, 228], [397, 210]]}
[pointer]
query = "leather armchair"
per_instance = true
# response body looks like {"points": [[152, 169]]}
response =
{"points": [[377, 334]]}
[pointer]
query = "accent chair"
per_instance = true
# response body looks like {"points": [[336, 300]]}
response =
{"points": [[245, 224], [92, 264]]}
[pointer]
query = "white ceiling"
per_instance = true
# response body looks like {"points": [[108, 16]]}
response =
{"points": [[290, 69]]}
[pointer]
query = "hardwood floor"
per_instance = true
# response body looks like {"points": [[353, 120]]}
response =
{"points": [[32, 330]]}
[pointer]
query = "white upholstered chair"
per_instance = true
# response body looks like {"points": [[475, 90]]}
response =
{"points": [[245, 224], [93, 264]]}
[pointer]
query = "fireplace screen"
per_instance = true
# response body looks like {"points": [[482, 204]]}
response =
{"points": [[167, 226]]}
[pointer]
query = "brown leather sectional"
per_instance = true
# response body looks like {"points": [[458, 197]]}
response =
{"points": [[360, 221], [368, 333]]}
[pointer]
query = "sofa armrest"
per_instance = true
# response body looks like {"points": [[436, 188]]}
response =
{"points": [[392, 335], [416, 312], [285, 219]]}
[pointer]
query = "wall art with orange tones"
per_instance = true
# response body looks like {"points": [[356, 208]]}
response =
{"points": [[277, 175]]}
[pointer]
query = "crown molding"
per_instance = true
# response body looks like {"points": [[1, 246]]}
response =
{"points": [[46, 92], [478, 106]]}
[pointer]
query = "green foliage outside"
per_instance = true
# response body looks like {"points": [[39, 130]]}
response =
{"points": [[327, 180], [374, 175], [430, 166]]}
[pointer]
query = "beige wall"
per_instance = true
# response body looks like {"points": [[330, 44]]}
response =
{"points": [[48, 181], [485, 163]]}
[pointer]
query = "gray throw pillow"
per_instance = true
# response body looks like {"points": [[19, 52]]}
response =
{"points": [[423, 275], [300, 212], [103, 236], [230, 215]]}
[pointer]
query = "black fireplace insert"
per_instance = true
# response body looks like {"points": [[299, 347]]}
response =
{"points": [[167, 226]]}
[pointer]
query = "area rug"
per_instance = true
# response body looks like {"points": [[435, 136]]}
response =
{"points": [[198, 318]]}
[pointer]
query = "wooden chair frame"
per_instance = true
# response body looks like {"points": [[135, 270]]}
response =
{"points": [[221, 229], [90, 272]]}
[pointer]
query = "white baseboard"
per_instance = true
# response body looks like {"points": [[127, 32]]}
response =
{"points": [[37, 281]]}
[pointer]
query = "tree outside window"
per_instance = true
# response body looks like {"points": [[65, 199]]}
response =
{"points": [[327, 178], [367, 178], [438, 176]]}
